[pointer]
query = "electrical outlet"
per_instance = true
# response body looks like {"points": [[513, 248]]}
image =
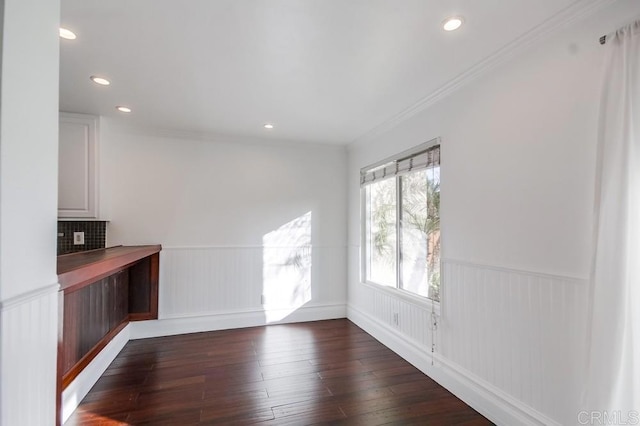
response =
{"points": [[78, 238], [395, 318]]}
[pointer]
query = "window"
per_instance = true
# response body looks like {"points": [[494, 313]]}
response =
{"points": [[401, 220]]}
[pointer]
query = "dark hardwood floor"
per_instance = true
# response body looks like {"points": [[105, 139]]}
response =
{"points": [[327, 372]]}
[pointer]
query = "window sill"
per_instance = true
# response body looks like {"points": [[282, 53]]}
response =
{"points": [[419, 301]]}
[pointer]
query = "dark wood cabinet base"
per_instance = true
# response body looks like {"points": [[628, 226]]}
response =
{"points": [[101, 291]]}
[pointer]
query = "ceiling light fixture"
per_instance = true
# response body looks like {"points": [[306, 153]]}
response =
{"points": [[123, 109], [452, 24], [268, 126], [67, 34], [100, 80]]}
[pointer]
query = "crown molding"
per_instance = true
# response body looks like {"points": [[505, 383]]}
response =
{"points": [[203, 136], [576, 11]]}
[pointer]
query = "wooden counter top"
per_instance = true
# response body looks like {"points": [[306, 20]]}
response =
{"points": [[101, 291], [75, 270]]}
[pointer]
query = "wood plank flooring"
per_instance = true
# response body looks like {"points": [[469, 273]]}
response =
{"points": [[325, 372]]}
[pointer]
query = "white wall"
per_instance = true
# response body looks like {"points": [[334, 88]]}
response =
{"points": [[28, 210], [518, 161], [224, 211]]}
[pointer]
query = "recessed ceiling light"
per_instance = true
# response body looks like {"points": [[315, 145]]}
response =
{"points": [[452, 24], [268, 126], [123, 108], [100, 80], [67, 34]]}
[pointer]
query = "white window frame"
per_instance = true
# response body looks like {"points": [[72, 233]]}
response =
{"points": [[395, 290]]}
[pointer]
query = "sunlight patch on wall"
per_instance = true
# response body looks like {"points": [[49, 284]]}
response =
{"points": [[287, 268]]}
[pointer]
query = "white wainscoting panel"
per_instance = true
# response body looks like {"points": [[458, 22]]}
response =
{"points": [[29, 342], [413, 318], [520, 331], [200, 281], [515, 337], [204, 281]]}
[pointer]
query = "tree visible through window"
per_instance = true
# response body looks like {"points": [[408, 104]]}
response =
{"points": [[402, 224], [382, 231]]}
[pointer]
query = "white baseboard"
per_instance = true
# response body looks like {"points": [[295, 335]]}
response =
{"points": [[82, 384], [232, 319], [483, 397]]}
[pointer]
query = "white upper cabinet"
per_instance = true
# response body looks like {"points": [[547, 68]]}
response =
{"points": [[78, 166]]}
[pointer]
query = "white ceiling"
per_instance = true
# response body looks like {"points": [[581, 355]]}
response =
{"points": [[319, 70]]}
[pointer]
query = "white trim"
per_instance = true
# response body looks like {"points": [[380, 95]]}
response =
{"points": [[489, 401], [575, 11], [81, 219], [230, 320], [363, 234], [29, 296], [207, 136], [420, 301], [568, 278], [82, 384], [248, 246], [219, 313], [271, 309]]}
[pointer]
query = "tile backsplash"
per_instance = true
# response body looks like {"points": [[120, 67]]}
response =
{"points": [[95, 235]]}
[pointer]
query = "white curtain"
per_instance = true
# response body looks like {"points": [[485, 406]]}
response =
{"points": [[613, 376]]}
